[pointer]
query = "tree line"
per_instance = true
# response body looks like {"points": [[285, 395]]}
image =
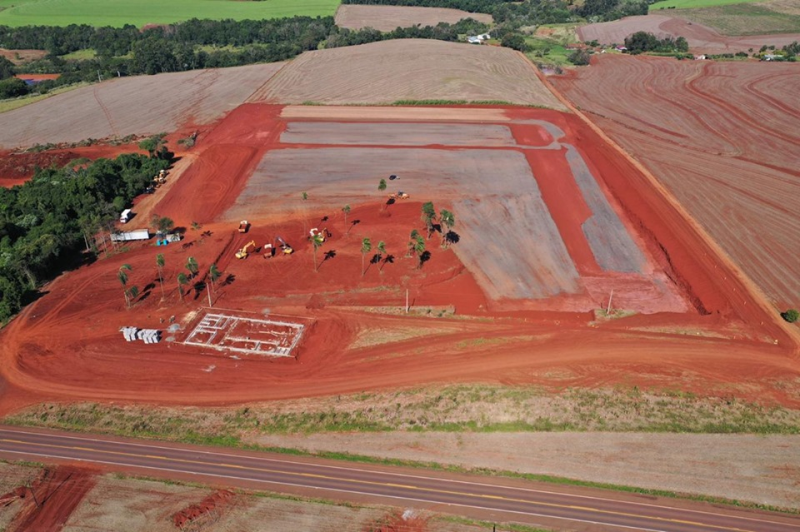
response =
{"points": [[48, 223], [642, 41], [179, 47]]}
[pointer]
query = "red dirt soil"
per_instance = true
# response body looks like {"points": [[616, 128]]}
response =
{"points": [[67, 345], [216, 502], [56, 494], [38, 77]]}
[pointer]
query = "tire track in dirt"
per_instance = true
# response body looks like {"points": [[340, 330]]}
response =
{"points": [[105, 110]]}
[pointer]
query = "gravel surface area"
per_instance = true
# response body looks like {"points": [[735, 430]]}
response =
{"points": [[761, 469]]}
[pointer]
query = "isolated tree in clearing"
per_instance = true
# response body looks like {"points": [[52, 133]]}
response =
{"points": [[790, 315], [428, 216], [447, 220], [346, 211], [316, 242], [366, 247], [130, 293], [182, 280], [382, 185], [192, 266], [213, 275], [160, 262], [412, 243], [419, 249]]}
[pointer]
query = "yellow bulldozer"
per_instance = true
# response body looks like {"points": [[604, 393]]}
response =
{"points": [[243, 253]]}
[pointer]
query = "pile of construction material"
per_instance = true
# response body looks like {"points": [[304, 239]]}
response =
{"points": [[148, 336]]}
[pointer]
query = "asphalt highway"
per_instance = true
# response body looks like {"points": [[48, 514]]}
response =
{"points": [[448, 493]]}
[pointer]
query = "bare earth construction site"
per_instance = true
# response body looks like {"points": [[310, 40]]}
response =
{"points": [[554, 227]]}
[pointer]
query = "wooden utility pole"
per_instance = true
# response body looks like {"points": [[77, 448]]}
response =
{"points": [[608, 310]]}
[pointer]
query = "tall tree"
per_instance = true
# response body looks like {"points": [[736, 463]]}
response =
{"points": [[419, 249], [122, 276], [366, 247], [214, 274], [447, 220], [316, 242], [191, 265], [346, 211], [412, 242], [182, 281], [428, 217], [160, 262]]}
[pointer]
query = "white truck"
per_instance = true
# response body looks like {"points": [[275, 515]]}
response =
{"points": [[125, 216]]}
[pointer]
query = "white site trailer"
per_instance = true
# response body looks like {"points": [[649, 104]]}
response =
{"points": [[128, 236]]}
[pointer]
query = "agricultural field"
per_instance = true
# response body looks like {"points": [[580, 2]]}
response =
{"points": [[139, 105], [736, 173], [141, 12], [408, 69], [689, 4], [22, 56], [702, 39], [388, 18], [774, 17]]}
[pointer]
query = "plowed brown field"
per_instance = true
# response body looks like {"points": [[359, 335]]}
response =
{"points": [[141, 105], [723, 137], [387, 18], [68, 346], [702, 39], [407, 69]]}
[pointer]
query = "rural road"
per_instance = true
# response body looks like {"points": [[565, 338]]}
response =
{"points": [[493, 497]]}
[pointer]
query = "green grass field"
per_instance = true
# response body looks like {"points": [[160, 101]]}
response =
{"points": [[141, 12], [688, 4]]}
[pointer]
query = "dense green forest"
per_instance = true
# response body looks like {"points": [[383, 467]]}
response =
{"points": [[47, 223], [641, 41]]}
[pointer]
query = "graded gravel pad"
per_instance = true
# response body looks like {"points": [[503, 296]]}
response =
{"points": [[389, 134], [611, 244], [333, 177], [513, 248]]}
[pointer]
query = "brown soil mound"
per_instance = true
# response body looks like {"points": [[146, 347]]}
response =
{"points": [[399, 521], [387, 18], [408, 69], [702, 39], [208, 509]]}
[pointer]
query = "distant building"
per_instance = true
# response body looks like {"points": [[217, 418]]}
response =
{"points": [[473, 39], [700, 57]]}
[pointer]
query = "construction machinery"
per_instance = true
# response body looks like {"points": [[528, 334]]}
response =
{"points": [[319, 235], [244, 225], [243, 253], [286, 248], [160, 179], [398, 195]]}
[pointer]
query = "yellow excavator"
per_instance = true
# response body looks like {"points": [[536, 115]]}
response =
{"points": [[242, 253]]}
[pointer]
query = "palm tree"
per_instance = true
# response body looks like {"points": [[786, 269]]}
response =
{"points": [[381, 249], [191, 265], [366, 247], [412, 242], [448, 221], [182, 280], [346, 211], [428, 216], [316, 241], [419, 249], [160, 262], [122, 275], [214, 274]]}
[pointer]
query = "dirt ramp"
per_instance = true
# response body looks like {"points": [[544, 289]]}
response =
{"points": [[408, 69]]}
